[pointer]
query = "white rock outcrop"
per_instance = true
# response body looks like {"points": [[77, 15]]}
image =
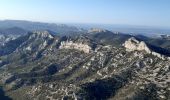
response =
{"points": [[96, 30], [6, 38], [132, 44], [42, 34], [158, 55], [78, 46]]}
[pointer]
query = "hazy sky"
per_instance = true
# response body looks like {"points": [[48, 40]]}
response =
{"points": [[131, 12]]}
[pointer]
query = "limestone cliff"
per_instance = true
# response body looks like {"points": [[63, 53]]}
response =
{"points": [[73, 45], [133, 44], [96, 30]]}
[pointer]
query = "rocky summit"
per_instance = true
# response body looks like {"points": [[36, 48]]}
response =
{"points": [[100, 66], [133, 44]]}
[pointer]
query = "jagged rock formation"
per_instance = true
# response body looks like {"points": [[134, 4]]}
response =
{"points": [[36, 41], [6, 38], [8, 34], [96, 30], [42, 34], [133, 44], [78, 46]]}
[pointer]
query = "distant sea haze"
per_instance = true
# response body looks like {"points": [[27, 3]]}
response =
{"points": [[134, 29], [74, 27]]}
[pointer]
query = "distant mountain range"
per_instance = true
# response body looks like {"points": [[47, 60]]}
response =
{"points": [[34, 26], [66, 29], [13, 31]]}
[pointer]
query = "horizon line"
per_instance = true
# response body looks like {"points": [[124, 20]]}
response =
{"points": [[88, 23]]}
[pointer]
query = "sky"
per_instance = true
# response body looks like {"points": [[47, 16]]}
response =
{"points": [[128, 12]]}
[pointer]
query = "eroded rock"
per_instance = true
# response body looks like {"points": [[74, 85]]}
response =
{"points": [[78, 46], [133, 44]]}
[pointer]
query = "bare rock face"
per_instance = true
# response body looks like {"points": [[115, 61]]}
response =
{"points": [[132, 44], [78, 46], [6, 38], [158, 55], [38, 40], [96, 30], [44, 34]]}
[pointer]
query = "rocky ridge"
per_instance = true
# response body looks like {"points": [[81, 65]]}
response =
{"points": [[133, 44], [6, 38], [78, 46]]}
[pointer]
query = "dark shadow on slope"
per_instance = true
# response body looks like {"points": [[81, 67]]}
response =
{"points": [[154, 46], [149, 93], [109, 38], [2, 95], [104, 89], [159, 50], [32, 77], [11, 46]]}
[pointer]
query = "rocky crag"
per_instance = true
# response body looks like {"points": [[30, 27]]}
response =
{"points": [[133, 44]]}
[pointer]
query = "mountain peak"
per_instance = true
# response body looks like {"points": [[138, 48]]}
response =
{"points": [[44, 34], [132, 44]]}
